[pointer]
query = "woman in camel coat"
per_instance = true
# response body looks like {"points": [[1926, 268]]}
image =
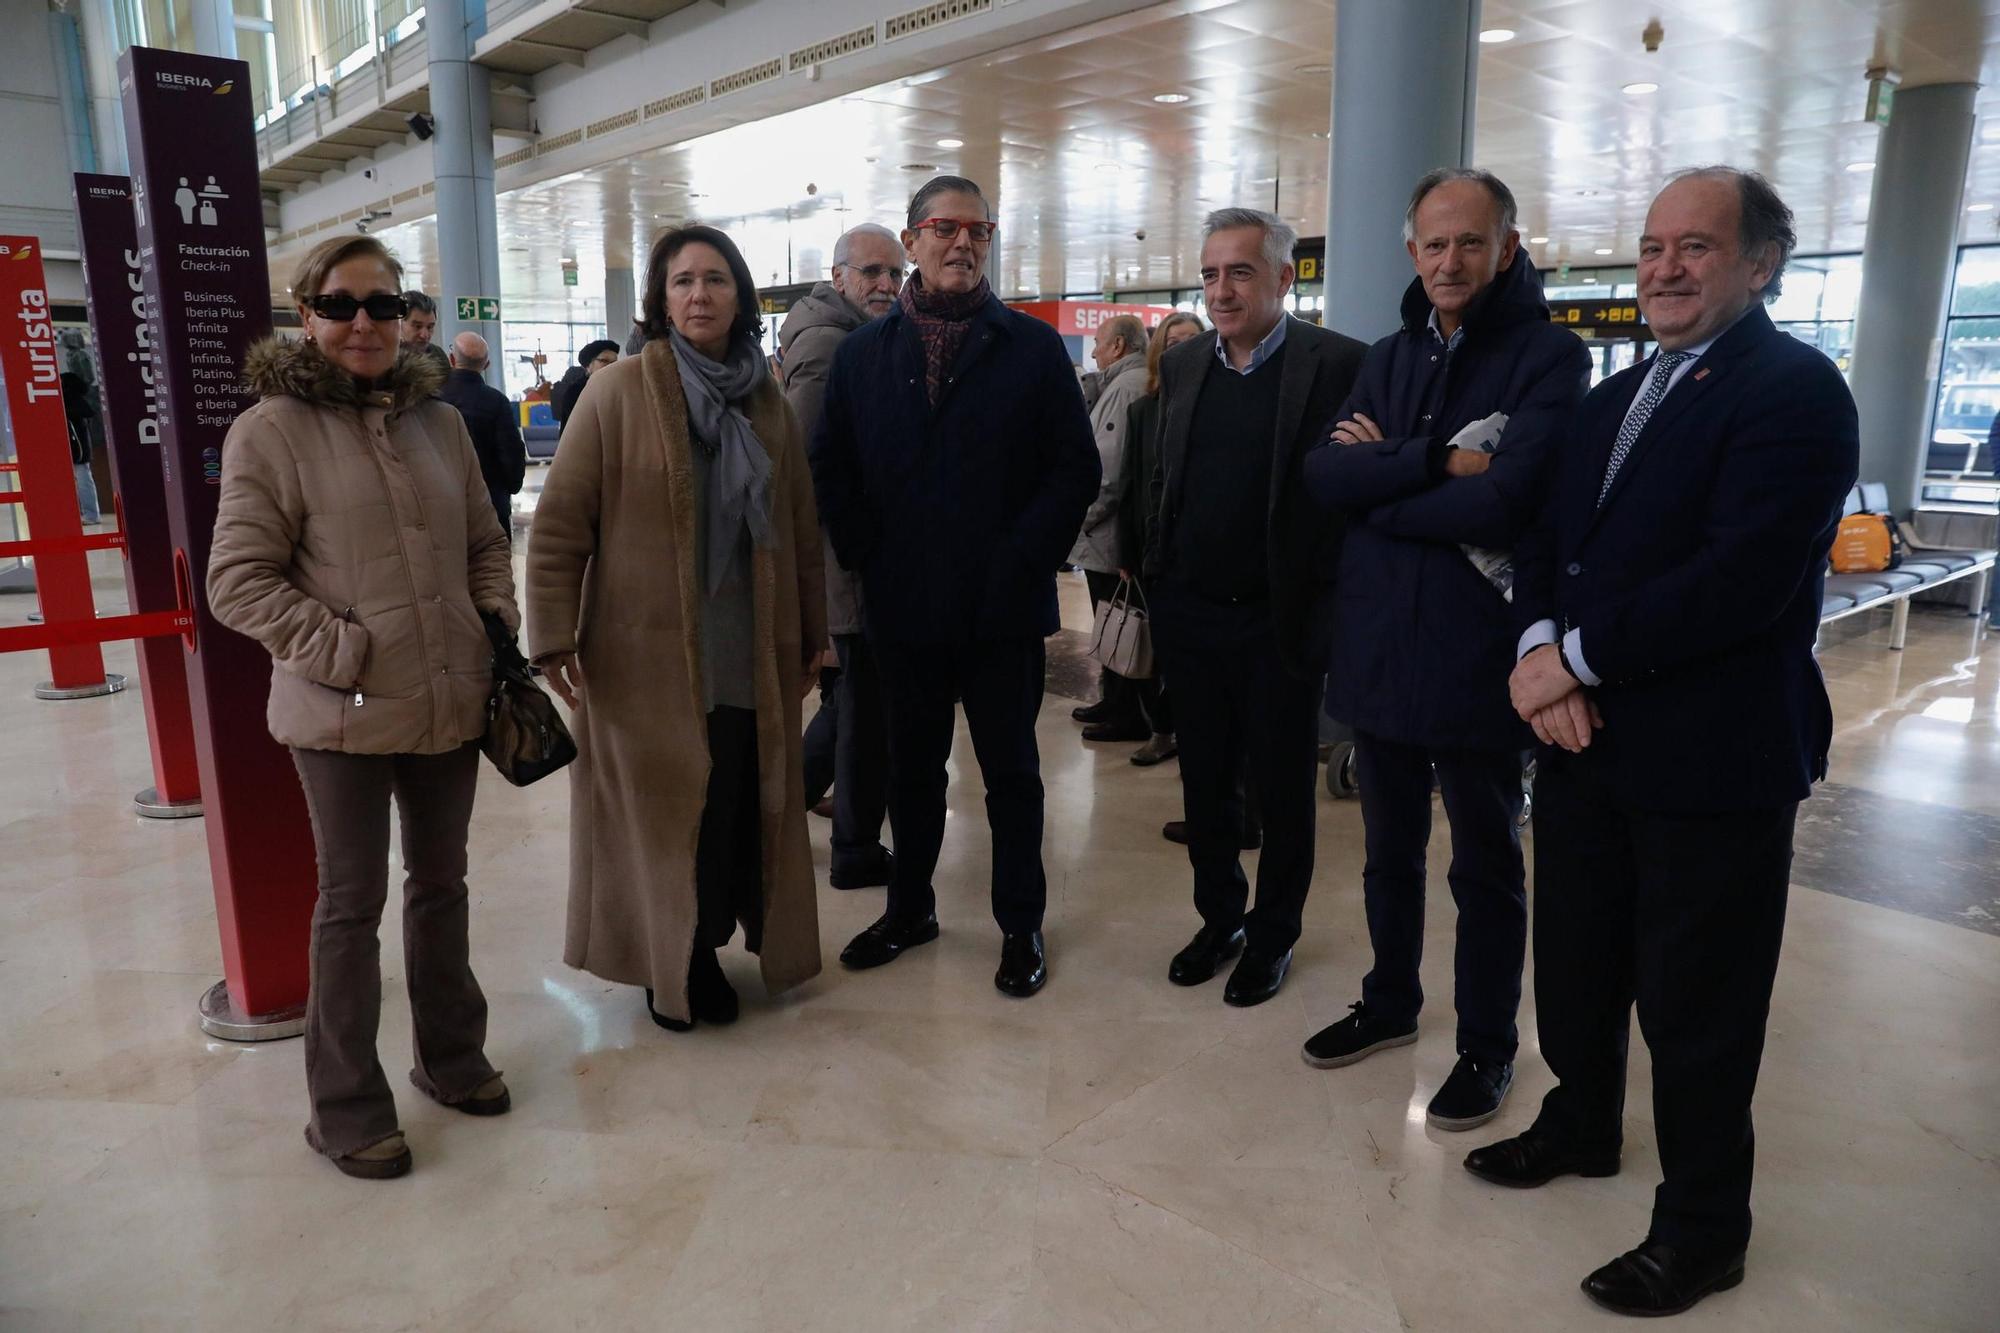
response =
{"points": [[675, 602]]}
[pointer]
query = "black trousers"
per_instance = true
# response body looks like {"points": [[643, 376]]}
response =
{"points": [[729, 852], [1240, 712], [1133, 702], [847, 749], [1482, 800], [1000, 683], [1683, 914]]}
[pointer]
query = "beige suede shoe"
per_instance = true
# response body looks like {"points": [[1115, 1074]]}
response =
{"points": [[378, 1161]]}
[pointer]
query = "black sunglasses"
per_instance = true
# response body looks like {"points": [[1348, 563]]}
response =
{"points": [[383, 307]]}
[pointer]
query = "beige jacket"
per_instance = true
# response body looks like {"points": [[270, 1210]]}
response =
{"points": [[611, 577], [357, 543]]}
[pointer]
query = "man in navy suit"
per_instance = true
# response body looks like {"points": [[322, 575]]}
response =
{"points": [[1671, 595]]}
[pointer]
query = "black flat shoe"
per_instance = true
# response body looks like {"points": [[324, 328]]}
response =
{"points": [[1204, 955], [1107, 732], [1657, 1279], [1355, 1037], [670, 1024], [1257, 977], [1088, 713], [886, 940], [1532, 1158], [711, 999], [1471, 1096], [1024, 966], [870, 874]]}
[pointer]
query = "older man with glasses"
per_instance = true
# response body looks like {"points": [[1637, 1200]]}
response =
{"points": [[953, 463], [847, 745]]}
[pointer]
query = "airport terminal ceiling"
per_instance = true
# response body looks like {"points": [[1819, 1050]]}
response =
{"points": [[1078, 136]]}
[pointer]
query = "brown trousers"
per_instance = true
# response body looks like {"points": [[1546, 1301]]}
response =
{"points": [[348, 797]]}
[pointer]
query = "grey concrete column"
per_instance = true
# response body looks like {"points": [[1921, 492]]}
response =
{"points": [[214, 25], [1404, 77], [621, 304], [100, 72], [1906, 268], [468, 239]]}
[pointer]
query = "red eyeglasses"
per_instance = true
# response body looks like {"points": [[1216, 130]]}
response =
{"points": [[947, 229]]}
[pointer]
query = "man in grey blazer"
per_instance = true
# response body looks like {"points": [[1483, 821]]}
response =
{"points": [[1240, 570]]}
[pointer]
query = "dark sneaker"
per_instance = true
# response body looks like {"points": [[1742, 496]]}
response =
{"points": [[1355, 1037], [1472, 1095]]}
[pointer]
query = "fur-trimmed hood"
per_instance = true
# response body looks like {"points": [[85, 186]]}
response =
{"points": [[279, 367]]}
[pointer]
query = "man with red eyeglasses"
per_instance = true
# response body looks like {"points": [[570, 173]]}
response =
{"points": [[953, 462]]}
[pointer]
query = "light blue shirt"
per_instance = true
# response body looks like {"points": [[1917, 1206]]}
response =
{"points": [[1264, 351], [1544, 631]]}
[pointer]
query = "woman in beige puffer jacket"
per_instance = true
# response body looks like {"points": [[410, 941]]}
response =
{"points": [[356, 541]]}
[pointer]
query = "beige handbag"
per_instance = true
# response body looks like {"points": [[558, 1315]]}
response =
{"points": [[1123, 639]]}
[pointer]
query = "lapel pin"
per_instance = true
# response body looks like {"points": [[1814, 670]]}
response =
{"points": [[1701, 374]]}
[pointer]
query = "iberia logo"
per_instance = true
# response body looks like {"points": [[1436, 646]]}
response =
{"points": [[24, 252], [225, 87]]}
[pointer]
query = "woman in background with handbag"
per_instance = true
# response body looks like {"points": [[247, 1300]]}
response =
{"points": [[357, 542], [675, 602]]}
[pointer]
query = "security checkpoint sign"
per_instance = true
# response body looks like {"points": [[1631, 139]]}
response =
{"points": [[199, 211], [33, 370]]}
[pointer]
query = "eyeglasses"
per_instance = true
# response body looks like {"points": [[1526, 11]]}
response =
{"points": [[383, 307], [947, 229], [872, 272]]}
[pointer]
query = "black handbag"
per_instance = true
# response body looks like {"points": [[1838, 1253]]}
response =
{"points": [[525, 736]]}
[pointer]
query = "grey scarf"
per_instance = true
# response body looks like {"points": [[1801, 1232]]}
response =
{"points": [[739, 475]]}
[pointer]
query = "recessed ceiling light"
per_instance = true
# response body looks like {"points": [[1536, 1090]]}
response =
{"points": [[1495, 36], [1639, 89], [1586, 194], [920, 166], [1313, 69], [1590, 277], [1538, 240], [1859, 167], [1602, 250], [1979, 208], [1170, 99], [951, 143]]}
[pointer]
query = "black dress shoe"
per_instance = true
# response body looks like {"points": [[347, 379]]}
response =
{"points": [[1117, 731], [1088, 713], [873, 873], [1175, 830], [670, 1024], [1257, 977], [886, 940], [1534, 1158], [1024, 966], [711, 999], [1205, 955], [1657, 1279]]}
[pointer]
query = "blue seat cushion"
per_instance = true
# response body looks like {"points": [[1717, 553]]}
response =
{"points": [[1832, 602], [1862, 588]]}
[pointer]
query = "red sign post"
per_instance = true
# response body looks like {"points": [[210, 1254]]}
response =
{"points": [[200, 219], [47, 485], [114, 288]]}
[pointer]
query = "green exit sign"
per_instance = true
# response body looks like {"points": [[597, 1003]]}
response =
{"points": [[485, 309]]}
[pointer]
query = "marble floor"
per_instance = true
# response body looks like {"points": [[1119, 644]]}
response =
{"points": [[907, 1149]]}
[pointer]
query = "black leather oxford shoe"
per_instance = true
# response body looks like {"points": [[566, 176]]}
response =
{"points": [[1257, 977], [1534, 1158], [1204, 955], [1024, 966], [886, 940], [1658, 1279]]}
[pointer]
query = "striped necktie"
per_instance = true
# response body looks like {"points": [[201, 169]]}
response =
{"points": [[1642, 411]]}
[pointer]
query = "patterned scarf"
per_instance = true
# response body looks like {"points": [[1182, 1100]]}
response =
{"points": [[942, 319]]}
